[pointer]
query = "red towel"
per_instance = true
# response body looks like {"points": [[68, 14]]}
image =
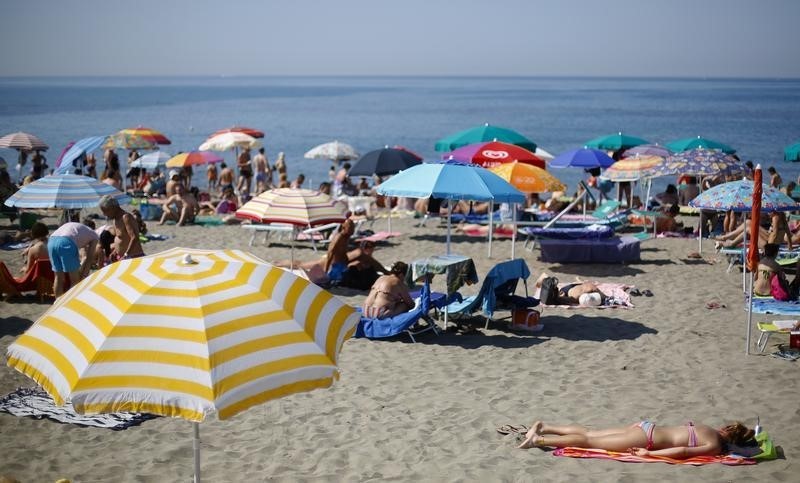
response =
{"points": [[629, 458]]}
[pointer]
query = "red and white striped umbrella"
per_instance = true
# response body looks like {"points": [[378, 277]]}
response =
{"points": [[292, 206], [242, 129]]}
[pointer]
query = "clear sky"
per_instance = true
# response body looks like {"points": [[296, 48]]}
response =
{"points": [[674, 38]]}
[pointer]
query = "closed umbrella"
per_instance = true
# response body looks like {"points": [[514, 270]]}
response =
{"points": [[494, 153], [151, 160], [751, 262], [193, 158], [185, 333], [699, 142], [22, 141], [242, 129], [614, 142], [66, 191], [66, 161], [484, 133], [383, 162], [334, 150], [792, 152]]}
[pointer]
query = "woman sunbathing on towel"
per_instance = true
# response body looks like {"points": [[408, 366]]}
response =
{"points": [[389, 295], [586, 294], [643, 438]]}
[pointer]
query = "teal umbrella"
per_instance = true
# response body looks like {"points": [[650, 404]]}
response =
{"points": [[615, 142], [699, 142], [482, 134], [792, 153]]}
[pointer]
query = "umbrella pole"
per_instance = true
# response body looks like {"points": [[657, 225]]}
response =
{"points": [[514, 225], [196, 448], [749, 314], [647, 197], [491, 226], [744, 252], [449, 211]]}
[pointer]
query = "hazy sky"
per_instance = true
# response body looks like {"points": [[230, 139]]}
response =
{"points": [[694, 38]]}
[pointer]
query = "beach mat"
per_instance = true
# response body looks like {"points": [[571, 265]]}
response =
{"points": [[34, 402], [616, 292], [498, 233], [729, 460], [208, 220]]}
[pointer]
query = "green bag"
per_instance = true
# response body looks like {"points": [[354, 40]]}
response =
{"points": [[768, 451]]}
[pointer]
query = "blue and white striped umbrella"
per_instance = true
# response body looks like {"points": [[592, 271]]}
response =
{"points": [[66, 191], [85, 145], [151, 160]]}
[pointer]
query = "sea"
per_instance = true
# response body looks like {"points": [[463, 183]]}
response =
{"points": [[758, 117]]}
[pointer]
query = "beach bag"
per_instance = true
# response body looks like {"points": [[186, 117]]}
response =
{"points": [[548, 295], [778, 288]]}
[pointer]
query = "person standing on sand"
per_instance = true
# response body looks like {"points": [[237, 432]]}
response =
{"points": [[63, 248], [775, 179], [211, 177], [225, 177], [263, 173], [126, 229], [245, 170]]}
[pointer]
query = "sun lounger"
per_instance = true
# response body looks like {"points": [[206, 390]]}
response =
{"points": [[313, 234], [609, 250], [766, 329]]}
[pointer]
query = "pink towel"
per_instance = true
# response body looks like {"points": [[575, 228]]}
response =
{"points": [[629, 458], [380, 236]]}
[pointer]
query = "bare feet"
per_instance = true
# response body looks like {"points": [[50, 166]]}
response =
{"points": [[532, 441]]}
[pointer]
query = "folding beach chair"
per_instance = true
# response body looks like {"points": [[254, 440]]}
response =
{"points": [[497, 292]]}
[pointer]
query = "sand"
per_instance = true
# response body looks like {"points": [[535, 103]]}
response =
{"points": [[428, 411]]}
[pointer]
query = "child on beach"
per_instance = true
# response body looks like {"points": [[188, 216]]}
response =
{"points": [[211, 177]]}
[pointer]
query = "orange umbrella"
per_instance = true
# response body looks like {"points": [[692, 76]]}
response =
{"points": [[146, 133], [528, 178]]}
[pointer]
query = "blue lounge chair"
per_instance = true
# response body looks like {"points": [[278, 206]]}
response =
{"points": [[497, 292], [405, 322]]}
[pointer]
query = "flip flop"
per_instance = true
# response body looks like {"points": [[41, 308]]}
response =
{"points": [[510, 428], [647, 293]]}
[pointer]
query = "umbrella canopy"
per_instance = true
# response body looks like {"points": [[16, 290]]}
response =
{"points": [[124, 140], [22, 141], [151, 135], [696, 162], [246, 130], [67, 191], [647, 150], [193, 158], [699, 142], [541, 153], [494, 153], [184, 333], [292, 206], [528, 178], [739, 196], [151, 160], [334, 150], [484, 133], [384, 162], [631, 169], [79, 148], [792, 152], [582, 158], [229, 140], [614, 142]]}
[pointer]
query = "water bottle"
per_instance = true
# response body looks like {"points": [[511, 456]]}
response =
{"points": [[757, 429]]}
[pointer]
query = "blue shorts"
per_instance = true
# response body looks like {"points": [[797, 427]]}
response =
{"points": [[336, 272], [63, 254]]}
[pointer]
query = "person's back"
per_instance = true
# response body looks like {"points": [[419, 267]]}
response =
{"points": [[336, 258], [389, 295]]}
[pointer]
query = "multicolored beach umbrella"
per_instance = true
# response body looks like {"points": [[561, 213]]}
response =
{"points": [[334, 150], [740, 195], [193, 158], [66, 191], [292, 206], [614, 142], [148, 134], [698, 142], [528, 178], [185, 333], [481, 134], [631, 169], [696, 162], [792, 152], [151, 160], [229, 140], [493, 154], [242, 129], [22, 141], [123, 140]]}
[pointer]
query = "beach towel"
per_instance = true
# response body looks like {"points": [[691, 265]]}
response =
{"points": [[209, 220], [499, 232], [156, 236], [730, 460], [15, 245], [616, 293], [768, 305], [379, 236], [35, 403]]}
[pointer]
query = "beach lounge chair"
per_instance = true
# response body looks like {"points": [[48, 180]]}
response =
{"points": [[316, 235], [405, 322], [497, 292], [38, 278]]}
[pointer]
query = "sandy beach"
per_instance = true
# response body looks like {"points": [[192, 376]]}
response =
{"points": [[428, 411]]}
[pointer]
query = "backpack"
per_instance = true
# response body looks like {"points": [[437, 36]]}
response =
{"points": [[548, 295]]}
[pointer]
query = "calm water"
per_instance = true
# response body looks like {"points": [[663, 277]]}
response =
{"points": [[758, 117]]}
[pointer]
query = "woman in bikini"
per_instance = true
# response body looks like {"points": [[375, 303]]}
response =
{"points": [[389, 295], [643, 438]]}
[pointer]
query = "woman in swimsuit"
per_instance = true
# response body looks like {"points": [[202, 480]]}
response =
{"points": [[389, 295], [643, 438]]}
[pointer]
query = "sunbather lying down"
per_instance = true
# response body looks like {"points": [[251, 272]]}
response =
{"points": [[577, 293], [643, 438]]}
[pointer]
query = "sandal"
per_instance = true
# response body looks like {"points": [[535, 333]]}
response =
{"points": [[510, 428]]}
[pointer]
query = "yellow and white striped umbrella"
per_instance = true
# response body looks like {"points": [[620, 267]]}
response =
{"points": [[294, 206], [184, 333]]}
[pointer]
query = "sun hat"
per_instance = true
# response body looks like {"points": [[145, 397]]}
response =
{"points": [[593, 299], [174, 173]]}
